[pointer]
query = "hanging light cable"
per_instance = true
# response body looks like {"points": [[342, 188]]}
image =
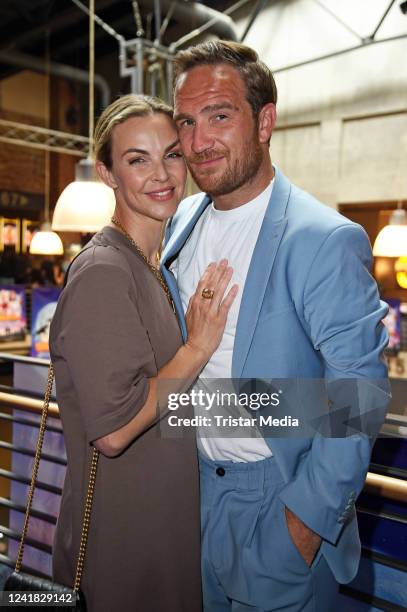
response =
{"points": [[86, 204], [46, 242]]}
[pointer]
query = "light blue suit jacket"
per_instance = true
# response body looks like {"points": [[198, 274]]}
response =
{"points": [[310, 309]]}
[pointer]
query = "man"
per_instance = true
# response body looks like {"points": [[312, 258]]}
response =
{"points": [[279, 526]]}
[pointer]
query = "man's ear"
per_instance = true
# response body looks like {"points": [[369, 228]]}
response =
{"points": [[105, 175], [267, 121]]}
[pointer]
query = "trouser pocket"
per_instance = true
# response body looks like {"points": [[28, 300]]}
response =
{"points": [[259, 562]]}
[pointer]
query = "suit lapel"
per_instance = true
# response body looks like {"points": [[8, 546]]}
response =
{"points": [[179, 238], [174, 245], [261, 265]]}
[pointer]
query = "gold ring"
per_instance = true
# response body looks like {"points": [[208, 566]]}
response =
{"points": [[207, 294]]}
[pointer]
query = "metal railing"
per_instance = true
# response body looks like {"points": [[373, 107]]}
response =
{"points": [[19, 409], [387, 487], [377, 484]]}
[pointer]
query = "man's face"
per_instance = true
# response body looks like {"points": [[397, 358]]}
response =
{"points": [[216, 127]]}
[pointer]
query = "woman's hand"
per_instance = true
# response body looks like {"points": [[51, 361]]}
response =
{"points": [[206, 318]]}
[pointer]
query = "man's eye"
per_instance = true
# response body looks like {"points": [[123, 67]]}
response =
{"points": [[186, 123], [137, 160], [220, 117]]}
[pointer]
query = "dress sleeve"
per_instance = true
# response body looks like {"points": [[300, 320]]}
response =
{"points": [[106, 348]]}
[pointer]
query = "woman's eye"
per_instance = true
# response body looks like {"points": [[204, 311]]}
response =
{"points": [[174, 155]]}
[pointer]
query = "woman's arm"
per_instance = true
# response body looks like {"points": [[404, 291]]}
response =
{"points": [[206, 320]]}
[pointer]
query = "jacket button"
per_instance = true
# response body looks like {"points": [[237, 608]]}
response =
{"points": [[220, 471]]}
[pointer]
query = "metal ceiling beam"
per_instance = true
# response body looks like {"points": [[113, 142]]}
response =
{"points": [[366, 43], [171, 6], [37, 137], [195, 15], [338, 19], [82, 42], [379, 25], [255, 13], [206, 26], [56, 23]]}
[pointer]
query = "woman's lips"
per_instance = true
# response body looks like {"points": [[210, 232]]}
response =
{"points": [[162, 195]]}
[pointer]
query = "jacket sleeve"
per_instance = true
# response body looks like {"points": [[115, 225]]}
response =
{"points": [[343, 314]]}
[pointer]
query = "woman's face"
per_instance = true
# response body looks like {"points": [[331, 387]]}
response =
{"points": [[148, 171]]}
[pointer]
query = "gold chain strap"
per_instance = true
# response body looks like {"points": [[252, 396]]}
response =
{"points": [[86, 520], [89, 495], [154, 270]]}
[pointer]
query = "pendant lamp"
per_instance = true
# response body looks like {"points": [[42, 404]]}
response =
{"points": [[391, 241], [86, 204], [46, 242]]}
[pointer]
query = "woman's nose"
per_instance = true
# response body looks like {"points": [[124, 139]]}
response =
{"points": [[160, 172]]}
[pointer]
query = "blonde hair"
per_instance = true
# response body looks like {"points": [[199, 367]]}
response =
{"points": [[130, 105]]}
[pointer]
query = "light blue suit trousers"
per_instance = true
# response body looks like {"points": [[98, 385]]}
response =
{"points": [[249, 561]]}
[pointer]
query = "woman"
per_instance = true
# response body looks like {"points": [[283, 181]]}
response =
{"points": [[114, 341]]}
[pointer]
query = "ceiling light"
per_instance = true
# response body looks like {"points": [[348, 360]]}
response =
{"points": [[46, 242], [87, 204], [392, 239]]}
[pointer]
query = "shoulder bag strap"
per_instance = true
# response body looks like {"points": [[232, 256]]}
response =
{"points": [[90, 490]]}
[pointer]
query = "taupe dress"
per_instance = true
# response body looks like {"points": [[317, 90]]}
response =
{"points": [[113, 329]]}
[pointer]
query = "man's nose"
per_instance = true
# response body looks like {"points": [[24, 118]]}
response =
{"points": [[201, 139]]}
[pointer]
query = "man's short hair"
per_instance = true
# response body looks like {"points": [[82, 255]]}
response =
{"points": [[260, 85]]}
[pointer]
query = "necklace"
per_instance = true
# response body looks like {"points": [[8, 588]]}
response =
{"points": [[153, 269]]}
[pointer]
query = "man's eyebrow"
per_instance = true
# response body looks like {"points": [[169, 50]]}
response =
{"points": [[220, 106], [208, 109], [180, 116], [144, 152]]}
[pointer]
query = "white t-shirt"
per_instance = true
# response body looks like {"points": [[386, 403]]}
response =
{"points": [[231, 235]]}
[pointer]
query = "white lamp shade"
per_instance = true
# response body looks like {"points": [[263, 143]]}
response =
{"points": [[46, 243], [83, 206], [391, 241]]}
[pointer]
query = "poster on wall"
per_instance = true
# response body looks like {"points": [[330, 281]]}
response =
{"points": [[392, 323], [29, 229], [13, 317], [9, 234], [43, 304]]}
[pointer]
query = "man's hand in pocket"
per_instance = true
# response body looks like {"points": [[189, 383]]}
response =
{"points": [[306, 540]]}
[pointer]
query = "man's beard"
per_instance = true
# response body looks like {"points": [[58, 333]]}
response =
{"points": [[242, 171]]}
